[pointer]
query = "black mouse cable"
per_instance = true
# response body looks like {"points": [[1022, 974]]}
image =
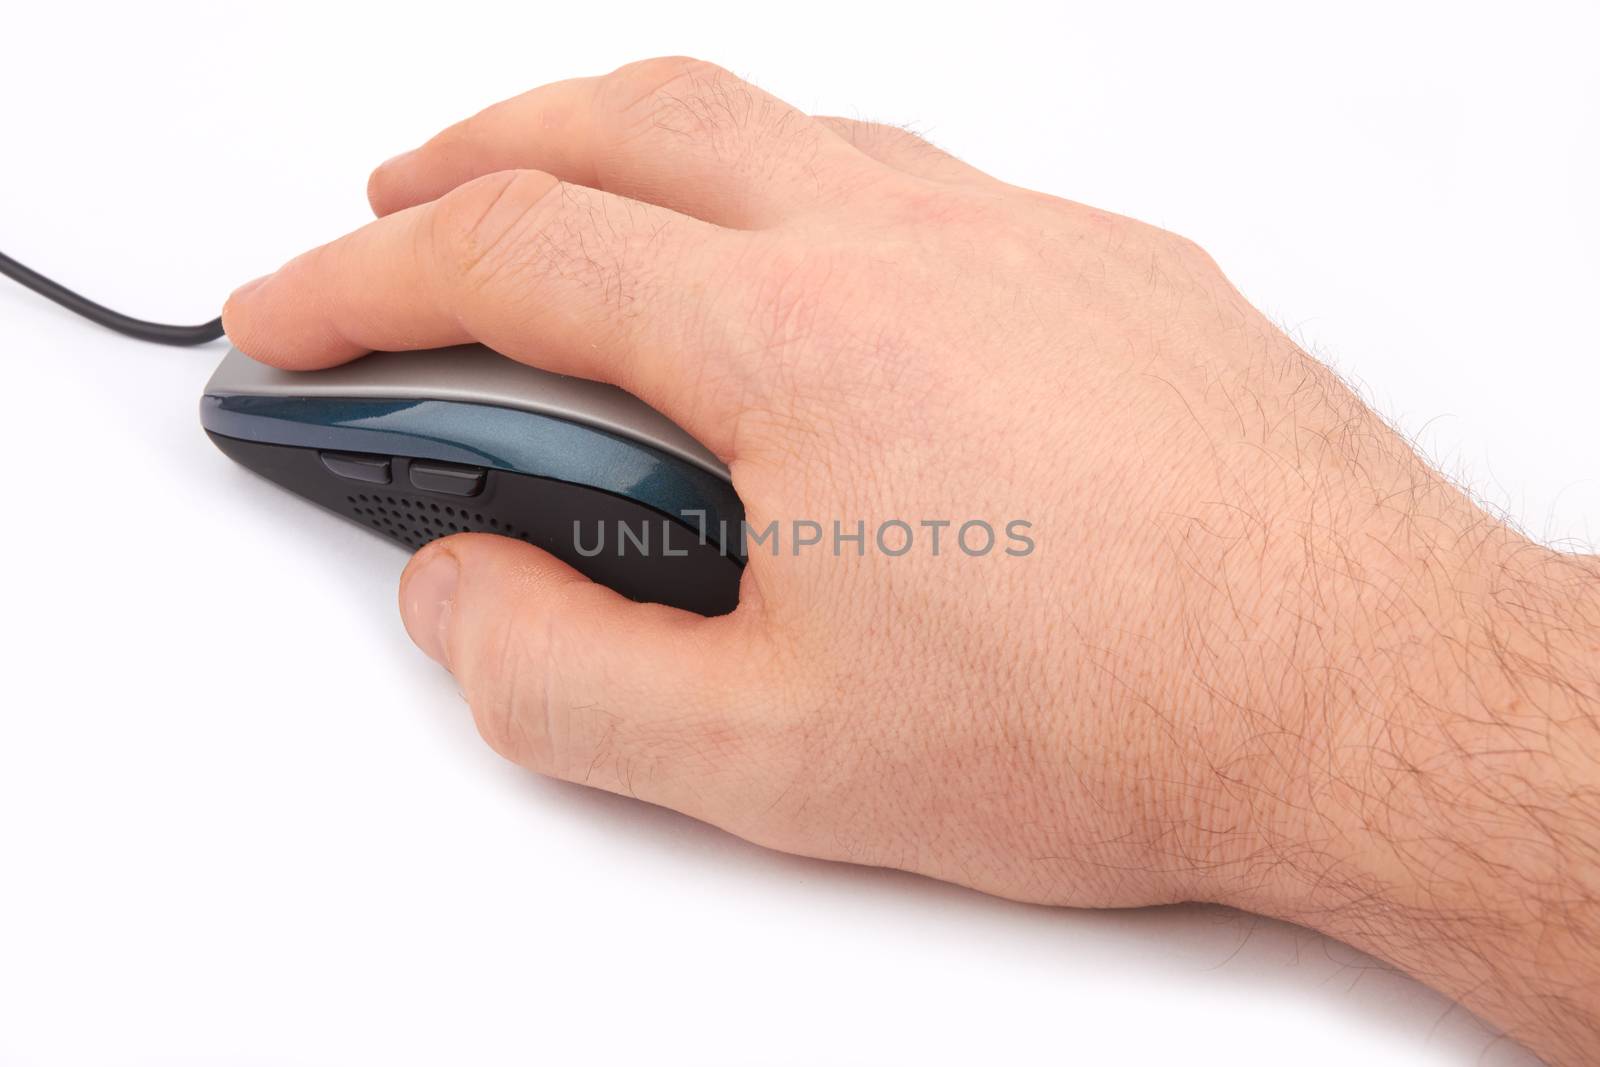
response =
{"points": [[159, 332]]}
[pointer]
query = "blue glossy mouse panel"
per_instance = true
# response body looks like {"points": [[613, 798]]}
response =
{"points": [[501, 438]]}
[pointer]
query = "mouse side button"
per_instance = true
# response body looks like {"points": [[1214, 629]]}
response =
{"points": [[373, 470], [445, 478]]}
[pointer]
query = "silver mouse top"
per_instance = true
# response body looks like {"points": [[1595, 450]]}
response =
{"points": [[469, 374]]}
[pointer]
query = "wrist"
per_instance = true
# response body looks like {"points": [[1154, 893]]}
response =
{"points": [[1431, 797], [1450, 717]]}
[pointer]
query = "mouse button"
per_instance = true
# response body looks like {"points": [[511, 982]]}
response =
{"points": [[357, 468], [447, 478]]}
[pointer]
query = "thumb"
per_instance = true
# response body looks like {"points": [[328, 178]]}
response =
{"points": [[573, 680]]}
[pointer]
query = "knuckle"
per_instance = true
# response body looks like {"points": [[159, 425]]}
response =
{"points": [[378, 185], [1172, 260], [511, 682], [474, 225], [636, 83], [1185, 249], [498, 723], [688, 98], [500, 710], [456, 139], [543, 698]]}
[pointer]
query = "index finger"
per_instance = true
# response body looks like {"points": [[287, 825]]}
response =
{"points": [[563, 277]]}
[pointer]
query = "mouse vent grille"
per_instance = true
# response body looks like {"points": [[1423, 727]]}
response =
{"points": [[415, 522]]}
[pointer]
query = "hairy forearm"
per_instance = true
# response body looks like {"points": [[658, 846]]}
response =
{"points": [[1438, 795]]}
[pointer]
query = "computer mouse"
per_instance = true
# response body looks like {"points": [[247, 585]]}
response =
{"points": [[413, 446]]}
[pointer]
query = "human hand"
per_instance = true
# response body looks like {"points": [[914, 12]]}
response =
{"points": [[1239, 632]]}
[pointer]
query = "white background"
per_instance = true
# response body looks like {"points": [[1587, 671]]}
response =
{"points": [[243, 821]]}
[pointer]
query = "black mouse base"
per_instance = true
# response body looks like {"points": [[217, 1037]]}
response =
{"points": [[639, 552]]}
